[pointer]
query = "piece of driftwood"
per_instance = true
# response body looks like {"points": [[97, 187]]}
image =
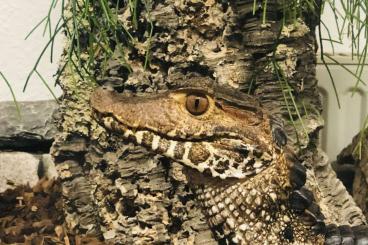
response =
{"points": [[352, 167]]}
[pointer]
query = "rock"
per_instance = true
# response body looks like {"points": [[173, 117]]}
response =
{"points": [[33, 132], [47, 167], [18, 168]]}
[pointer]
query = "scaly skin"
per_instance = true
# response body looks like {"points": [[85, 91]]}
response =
{"points": [[234, 155]]}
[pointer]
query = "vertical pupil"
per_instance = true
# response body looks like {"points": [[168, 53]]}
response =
{"points": [[196, 103]]}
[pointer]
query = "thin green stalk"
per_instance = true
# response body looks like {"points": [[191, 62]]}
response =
{"points": [[254, 6], [282, 79], [286, 102], [13, 95], [345, 68], [55, 3], [264, 11], [327, 67], [62, 7], [360, 67], [76, 31], [305, 108], [334, 10], [47, 86], [53, 41], [133, 5], [358, 148], [48, 19], [329, 36], [60, 72], [332, 40], [105, 9], [35, 28], [147, 56], [40, 56]]}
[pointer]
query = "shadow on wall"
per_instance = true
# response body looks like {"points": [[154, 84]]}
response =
{"points": [[341, 125]]}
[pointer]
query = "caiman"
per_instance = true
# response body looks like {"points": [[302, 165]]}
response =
{"points": [[248, 182]]}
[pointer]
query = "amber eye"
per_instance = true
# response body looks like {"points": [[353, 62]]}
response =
{"points": [[196, 104]]}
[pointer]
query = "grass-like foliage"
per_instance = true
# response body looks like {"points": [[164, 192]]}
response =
{"points": [[93, 28], [94, 33], [358, 150], [12, 93]]}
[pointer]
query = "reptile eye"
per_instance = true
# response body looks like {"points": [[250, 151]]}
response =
{"points": [[196, 104]]}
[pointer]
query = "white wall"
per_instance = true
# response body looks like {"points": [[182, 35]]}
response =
{"points": [[341, 124], [18, 57], [329, 20]]}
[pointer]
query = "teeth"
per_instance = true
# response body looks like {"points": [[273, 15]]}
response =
{"points": [[139, 137], [155, 142], [258, 164], [171, 133], [127, 133], [250, 163], [171, 151], [107, 122], [187, 146]]}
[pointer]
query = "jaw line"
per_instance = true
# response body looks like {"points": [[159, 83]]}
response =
{"points": [[126, 131], [178, 138]]}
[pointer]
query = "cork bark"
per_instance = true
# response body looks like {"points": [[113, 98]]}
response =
{"points": [[124, 194], [352, 167]]}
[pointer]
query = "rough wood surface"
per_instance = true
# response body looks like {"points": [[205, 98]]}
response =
{"points": [[352, 166], [124, 194]]}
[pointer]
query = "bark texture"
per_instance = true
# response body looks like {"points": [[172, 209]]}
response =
{"points": [[126, 195], [352, 167]]}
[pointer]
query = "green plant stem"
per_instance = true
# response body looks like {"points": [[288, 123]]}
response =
{"points": [[47, 86], [13, 95]]}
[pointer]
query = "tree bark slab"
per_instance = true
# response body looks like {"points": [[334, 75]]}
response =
{"points": [[124, 194]]}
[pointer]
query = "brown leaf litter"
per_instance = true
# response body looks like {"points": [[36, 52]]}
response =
{"points": [[34, 216]]}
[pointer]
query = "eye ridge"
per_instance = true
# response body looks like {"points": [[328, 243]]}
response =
{"points": [[196, 104]]}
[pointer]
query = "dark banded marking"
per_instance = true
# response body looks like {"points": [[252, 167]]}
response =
{"points": [[257, 153], [219, 170], [132, 138], [163, 145], [179, 151], [114, 126], [109, 122], [147, 139]]}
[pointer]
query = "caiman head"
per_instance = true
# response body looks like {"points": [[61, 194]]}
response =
{"points": [[213, 129], [224, 134]]}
